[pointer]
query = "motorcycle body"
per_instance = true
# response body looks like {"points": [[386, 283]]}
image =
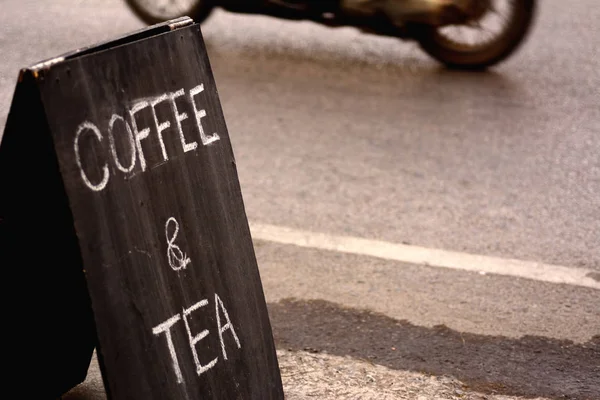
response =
{"points": [[462, 34]]}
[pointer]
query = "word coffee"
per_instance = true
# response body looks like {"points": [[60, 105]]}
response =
{"points": [[129, 125]]}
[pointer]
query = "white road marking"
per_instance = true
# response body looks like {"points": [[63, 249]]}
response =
{"points": [[426, 256]]}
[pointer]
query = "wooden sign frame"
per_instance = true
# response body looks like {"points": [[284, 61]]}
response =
{"points": [[122, 221]]}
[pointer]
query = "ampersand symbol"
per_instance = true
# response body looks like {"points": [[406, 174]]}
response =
{"points": [[177, 258]]}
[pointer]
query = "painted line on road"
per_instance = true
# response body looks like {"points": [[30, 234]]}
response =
{"points": [[426, 256]]}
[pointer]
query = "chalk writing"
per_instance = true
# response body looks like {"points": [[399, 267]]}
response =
{"points": [[177, 258], [137, 134], [165, 327], [200, 369], [113, 147], [180, 117], [139, 129], [199, 115], [228, 325], [88, 126], [160, 126]]}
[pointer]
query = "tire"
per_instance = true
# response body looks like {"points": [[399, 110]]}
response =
{"points": [[461, 56], [198, 10]]}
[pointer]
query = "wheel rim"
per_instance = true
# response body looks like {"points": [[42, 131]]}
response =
{"points": [[480, 33], [168, 9]]}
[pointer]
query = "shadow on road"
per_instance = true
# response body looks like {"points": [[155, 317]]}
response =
{"points": [[530, 366]]}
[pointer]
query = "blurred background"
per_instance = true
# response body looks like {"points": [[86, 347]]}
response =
{"points": [[340, 133]]}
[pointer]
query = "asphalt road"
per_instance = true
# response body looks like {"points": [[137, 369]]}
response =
{"points": [[343, 133]]}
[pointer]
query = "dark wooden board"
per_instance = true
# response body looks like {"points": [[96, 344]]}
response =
{"points": [[159, 219], [49, 333]]}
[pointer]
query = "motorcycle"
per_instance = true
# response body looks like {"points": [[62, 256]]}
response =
{"points": [[460, 34]]}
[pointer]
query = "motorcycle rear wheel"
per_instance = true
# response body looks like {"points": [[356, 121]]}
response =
{"points": [[156, 11], [457, 54]]}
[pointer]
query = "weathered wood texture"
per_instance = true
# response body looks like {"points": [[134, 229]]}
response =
{"points": [[150, 177]]}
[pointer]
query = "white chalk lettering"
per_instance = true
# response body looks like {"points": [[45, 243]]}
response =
{"points": [[131, 124], [139, 135], [206, 140], [177, 258], [160, 126], [181, 117], [166, 328], [113, 148], [193, 340], [228, 325], [88, 126], [200, 369]]}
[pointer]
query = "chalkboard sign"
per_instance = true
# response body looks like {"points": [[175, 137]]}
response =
{"points": [[116, 161]]}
